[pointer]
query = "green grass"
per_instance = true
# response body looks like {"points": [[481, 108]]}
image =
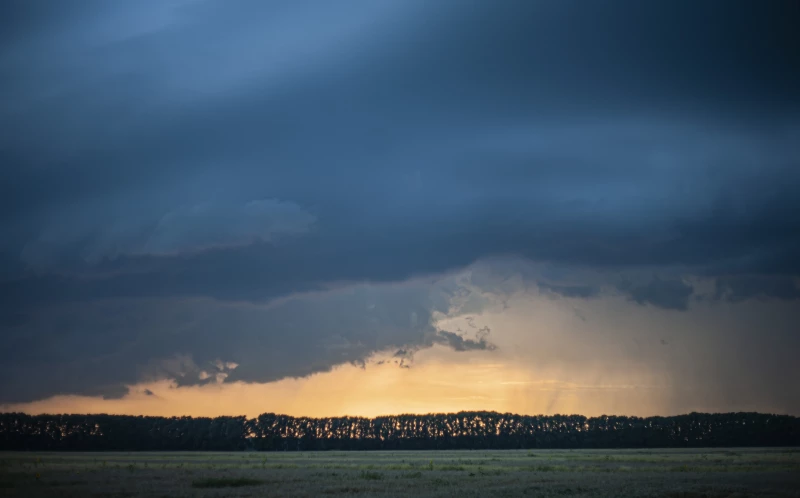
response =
{"points": [[396, 474], [225, 482]]}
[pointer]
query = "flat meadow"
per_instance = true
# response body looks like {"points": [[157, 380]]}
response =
{"points": [[690, 473]]}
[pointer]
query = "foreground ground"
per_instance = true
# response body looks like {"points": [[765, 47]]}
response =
{"points": [[575, 473]]}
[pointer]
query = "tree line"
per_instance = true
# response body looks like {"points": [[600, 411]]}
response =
{"points": [[463, 430]]}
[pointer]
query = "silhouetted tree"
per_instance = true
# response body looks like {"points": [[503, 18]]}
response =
{"points": [[463, 430]]}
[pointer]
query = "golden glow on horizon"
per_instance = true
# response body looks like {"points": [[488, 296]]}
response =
{"points": [[440, 381], [608, 359]]}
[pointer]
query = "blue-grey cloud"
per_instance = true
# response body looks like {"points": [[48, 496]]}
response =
{"points": [[461, 343], [667, 294], [574, 291], [100, 347], [184, 230], [744, 287], [247, 151]]}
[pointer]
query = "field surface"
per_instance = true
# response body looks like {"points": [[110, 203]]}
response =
{"points": [[675, 473]]}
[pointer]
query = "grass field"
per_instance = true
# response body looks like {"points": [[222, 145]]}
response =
{"points": [[466, 473]]}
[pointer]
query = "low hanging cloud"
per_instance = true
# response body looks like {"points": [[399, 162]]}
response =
{"points": [[572, 291], [200, 341], [740, 288], [667, 294], [460, 343]]}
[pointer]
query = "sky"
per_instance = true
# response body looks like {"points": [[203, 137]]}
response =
{"points": [[365, 207]]}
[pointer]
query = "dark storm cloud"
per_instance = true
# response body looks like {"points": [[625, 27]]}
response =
{"points": [[248, 150], [99, 347], [761, 287], [667, 294], [460, 343], [574, 291], [112, 392]]}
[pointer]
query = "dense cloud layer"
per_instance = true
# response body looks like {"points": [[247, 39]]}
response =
{"points": [[63, 349], [160, 153]]}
